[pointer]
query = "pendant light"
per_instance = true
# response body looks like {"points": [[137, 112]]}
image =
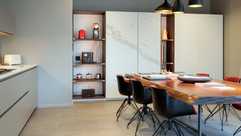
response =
{"points": [[164, 8], [178, 7], [195, 3]]}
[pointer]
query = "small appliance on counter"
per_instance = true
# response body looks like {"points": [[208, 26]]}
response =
{"points": [[12, 59]]}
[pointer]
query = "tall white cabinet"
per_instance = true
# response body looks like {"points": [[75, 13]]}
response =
{"points": [[149, 42], [132, 45], [7, 20], [121, 48], [199, 44]]}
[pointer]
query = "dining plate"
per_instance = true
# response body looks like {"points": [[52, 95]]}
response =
{"points": [[155, 77], [194, 79]]}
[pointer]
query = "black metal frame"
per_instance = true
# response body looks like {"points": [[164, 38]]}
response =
{"points": [[140, 116]]}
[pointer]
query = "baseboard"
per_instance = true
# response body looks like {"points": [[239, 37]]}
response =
{"points": [[82, 100], [114, 99]]}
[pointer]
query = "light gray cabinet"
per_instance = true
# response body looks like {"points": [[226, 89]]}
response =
{"points": [[121, 48], [149, 37], [7, 21], [132, 45], [18, 99], [199, 44]]}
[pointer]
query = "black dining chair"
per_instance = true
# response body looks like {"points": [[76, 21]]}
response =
{"points": [[143, 96], [125, 90], [224, 109], [170, 108]]}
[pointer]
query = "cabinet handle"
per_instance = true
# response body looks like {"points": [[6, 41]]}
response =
{"points": [[14, 104]]}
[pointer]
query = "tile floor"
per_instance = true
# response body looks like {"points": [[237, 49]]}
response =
{"points": [[98, 119]]}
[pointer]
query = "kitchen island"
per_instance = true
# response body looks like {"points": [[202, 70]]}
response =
{"points": [[18, 98]]}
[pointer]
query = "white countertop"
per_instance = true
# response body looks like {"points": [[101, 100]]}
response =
{"points": [[17, 70]]}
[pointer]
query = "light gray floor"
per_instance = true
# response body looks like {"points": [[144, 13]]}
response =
{"points": [[98, 119]]}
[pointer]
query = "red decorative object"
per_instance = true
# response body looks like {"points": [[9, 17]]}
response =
{"points": [[232, 79], [203, 74], [82, 34]]}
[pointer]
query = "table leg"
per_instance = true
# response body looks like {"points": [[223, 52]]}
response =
{"points": [[199, 120]]}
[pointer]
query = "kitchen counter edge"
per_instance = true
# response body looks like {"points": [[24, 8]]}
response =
{"points": [[18, 70]]}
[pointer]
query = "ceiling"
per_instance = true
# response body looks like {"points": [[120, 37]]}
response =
{"points": [[129, 5]]}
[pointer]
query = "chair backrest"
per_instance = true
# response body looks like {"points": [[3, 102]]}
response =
{"points": [[138, 91], [123, 87], [168, 106], [232, 79]]}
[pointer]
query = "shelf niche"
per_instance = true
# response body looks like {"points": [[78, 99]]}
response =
{"points": [[85, 20], [168, 43]]}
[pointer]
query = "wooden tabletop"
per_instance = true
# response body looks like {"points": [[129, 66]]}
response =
{"points": [[195, 94]]}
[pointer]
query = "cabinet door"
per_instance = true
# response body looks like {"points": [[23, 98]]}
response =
{"points": [[149, 40], [14, 88], [199, 44], [19, 96], [121, 48], [7, 23], [12, 123]]}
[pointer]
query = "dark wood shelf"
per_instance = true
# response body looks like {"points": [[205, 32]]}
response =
{"points": [[168, 40], [167, 15], [81, 64], [169, 63], [97, 96], [76, 40], [87, 80]]}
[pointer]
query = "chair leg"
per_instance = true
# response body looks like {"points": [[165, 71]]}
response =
{"points": [[159, 127], [153, 116], [137, 126], [208, 109], [238, 130], [134, 117], [121, 109], [177, 130], [214, 112]]}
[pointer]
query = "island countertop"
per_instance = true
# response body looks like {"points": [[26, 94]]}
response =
{"points": [[18, 69]]}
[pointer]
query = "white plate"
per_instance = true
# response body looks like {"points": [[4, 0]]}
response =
{"points": [[194, 79], [156, 77]]}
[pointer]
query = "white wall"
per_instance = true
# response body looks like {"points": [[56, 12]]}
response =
{"points": [[44, 37], [232, 31]]}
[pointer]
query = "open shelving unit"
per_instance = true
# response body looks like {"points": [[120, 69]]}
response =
{"points": [[168, 45], [85, 20]]}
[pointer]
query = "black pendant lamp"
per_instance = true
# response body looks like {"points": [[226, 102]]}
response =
{"points": [[178, 7], [195, 3], [165, 8]]}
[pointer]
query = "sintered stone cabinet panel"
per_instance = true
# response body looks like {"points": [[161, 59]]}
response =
{"points": [[149, 40], [132, 45], [18, 105], [199, 44], [121, 48], [7, 21]]}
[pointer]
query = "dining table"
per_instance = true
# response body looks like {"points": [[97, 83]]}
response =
{"points": [[198, 94]]}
